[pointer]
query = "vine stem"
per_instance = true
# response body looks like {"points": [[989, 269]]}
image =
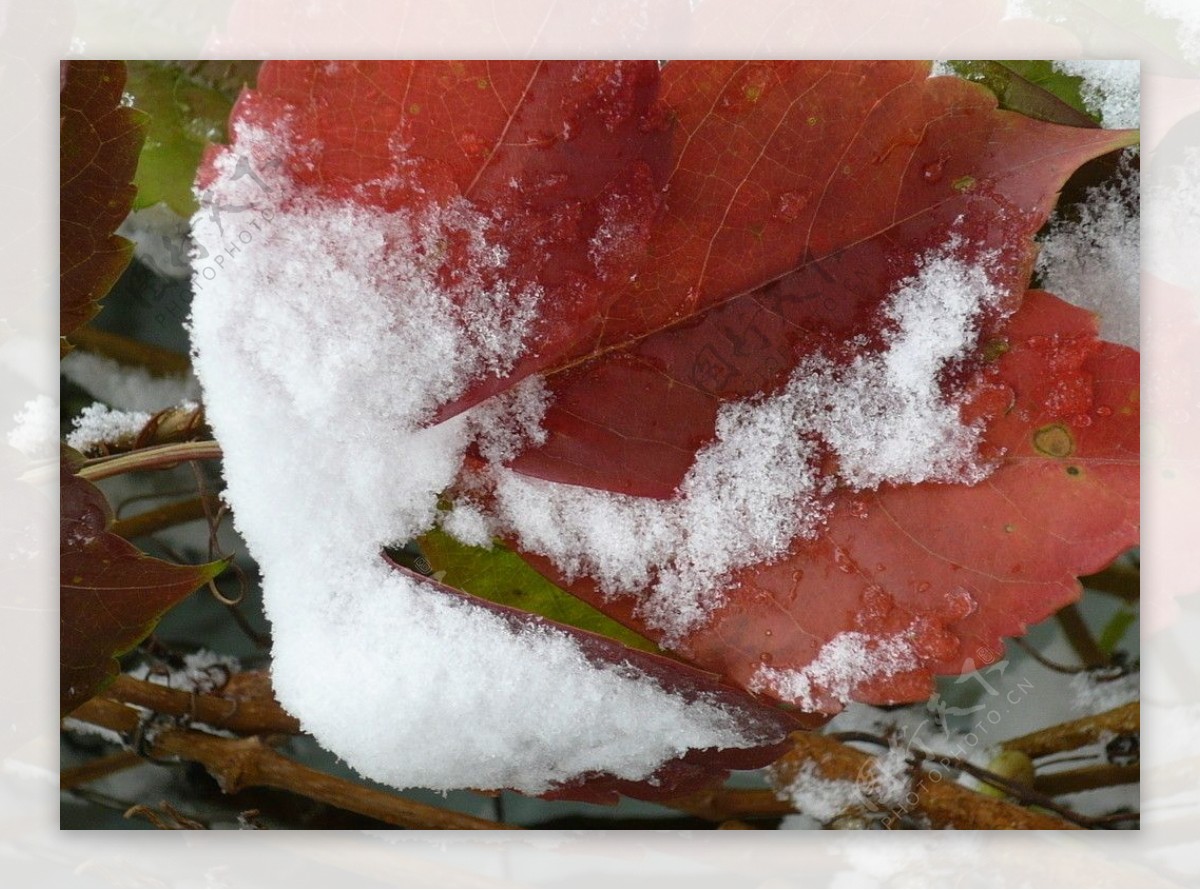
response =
{"points": [[945, 803], [154, 458], [158, 518], [239, 763], [1074, 734], [128, 351], [1086, 778], [249, 716]]}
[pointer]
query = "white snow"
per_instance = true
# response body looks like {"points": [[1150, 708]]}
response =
{"points": [[322, 344], [882, 784], [203, 671], [1111, 89], [756, 488], [127, 387], [98, 425], [35, 428], [845, 661], [822, 799], [1094, 261], [1092, 693]]}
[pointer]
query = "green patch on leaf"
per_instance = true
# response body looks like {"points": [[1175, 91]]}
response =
{"points": [[185, 115], [112, 594], [500, 576], [1031, 87]]}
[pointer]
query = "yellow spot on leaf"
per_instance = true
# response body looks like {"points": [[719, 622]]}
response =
{"points": [[1054, 440]]}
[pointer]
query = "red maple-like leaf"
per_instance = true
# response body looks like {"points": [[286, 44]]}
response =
{"points": [[949, 568], [696, 234], [569, 158], [100, 139], [112, 594], [801, 195]]}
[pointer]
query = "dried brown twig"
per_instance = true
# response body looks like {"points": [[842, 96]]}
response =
{"points": [[1077, 733], [238, 763]]}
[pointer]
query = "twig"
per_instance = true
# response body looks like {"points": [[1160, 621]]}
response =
{"points": [[1077, 733], [1076, 631], [722, 804], [1120, 579], [153, 458], [1024, 794], [99, 768], [944, 803], [162, 517], [249, 762], [170, 819], [1086, 778], [128, 351], [248, 716], [1045, 662]]}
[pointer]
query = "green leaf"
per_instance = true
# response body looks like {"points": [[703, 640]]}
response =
{"points": [[99, 141], [185, 115], [1114, 630], [1033, 88], [501, 576], [112, 594]]}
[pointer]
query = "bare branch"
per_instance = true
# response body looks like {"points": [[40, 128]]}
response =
{"points": [[249, 762], [943, 802], [154, 458], [251, 715], [1077, 733], [167, 515]]}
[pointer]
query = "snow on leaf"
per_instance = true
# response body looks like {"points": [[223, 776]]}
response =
{"points": [[907, 581], [784, 300], [368, 277], [100, 141], [112, 594], [568, 160], [788, 220]]}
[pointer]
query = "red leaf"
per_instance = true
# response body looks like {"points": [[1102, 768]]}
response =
{"points": [[945, 571], [100, 143], [568, 157], [112, 594], [801, 194], [694, 248]]}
